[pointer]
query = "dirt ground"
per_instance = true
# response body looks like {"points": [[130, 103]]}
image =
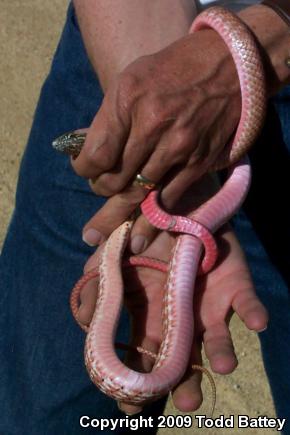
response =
{"points": [[29, 32]]}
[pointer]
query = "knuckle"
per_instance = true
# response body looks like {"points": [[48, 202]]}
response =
{"points": [[155, 111], [127, 88], [109, 185], [101, 188], [200, 156], [115, 184], [180, 147], [154, 116], [100, 157]]}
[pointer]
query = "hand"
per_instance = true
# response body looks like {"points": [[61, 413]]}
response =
{"points": [[168, 115], [226, 289]]}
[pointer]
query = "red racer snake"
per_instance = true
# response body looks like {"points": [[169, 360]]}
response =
{"points": [[110, 374]]}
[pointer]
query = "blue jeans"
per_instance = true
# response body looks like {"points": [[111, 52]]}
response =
{"points": [[44, 387]]}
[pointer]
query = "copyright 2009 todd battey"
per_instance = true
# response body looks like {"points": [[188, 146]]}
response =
{"points": [[184, 421]]}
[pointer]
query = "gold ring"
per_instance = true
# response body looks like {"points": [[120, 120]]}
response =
{"points": [[144, 182]]}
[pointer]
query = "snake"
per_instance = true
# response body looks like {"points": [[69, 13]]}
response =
{"points": [[195, 250]]}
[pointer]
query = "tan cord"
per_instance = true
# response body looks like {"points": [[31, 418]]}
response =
{"points": [[194, 367]]}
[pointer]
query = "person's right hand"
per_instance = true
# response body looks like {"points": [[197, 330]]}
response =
{"points": [[167, 116]]}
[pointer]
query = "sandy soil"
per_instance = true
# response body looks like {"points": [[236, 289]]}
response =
{"points": [[29, 32]]}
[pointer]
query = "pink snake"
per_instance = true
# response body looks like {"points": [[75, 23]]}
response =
{"points": [[110, 374]]}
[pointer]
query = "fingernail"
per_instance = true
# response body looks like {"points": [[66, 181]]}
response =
{"points": [[92, 237], [138, 244], [264, 329], [136, 410]]}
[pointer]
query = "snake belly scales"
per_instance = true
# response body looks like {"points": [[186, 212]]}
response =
{"points": [[106, 370]]}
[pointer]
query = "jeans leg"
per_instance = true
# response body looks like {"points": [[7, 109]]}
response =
{"points": [[266, 241], [44, 386], [273, 292]]}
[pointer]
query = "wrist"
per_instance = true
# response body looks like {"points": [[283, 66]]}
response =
{"points": [[214, 70], [274, 44]]}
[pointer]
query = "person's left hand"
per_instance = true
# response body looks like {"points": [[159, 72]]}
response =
{"points": [[226, 289]]}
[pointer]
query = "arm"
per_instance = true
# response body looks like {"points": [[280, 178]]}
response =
{"points": [[273, 35], [118, 32], [176, 79]]}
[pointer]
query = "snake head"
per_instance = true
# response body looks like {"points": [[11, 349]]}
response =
{"points": [[70, 143]]}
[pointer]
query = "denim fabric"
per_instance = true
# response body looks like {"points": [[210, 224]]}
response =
{"points": [[265, 237], [44, 386]]}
